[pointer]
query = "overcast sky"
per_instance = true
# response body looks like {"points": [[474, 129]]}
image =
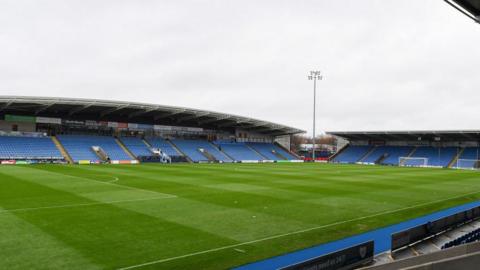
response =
{"points": [[388, 64]]}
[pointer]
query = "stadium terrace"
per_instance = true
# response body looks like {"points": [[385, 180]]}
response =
{"points": [[38, 129], [445, 149]]}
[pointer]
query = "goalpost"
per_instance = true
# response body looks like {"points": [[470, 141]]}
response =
{"points": [[413, 161], [467, 163]]}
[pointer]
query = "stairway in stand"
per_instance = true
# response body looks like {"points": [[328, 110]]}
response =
{"points": [[225, 154], [209, 156], [457, 156], [409, 154], [147, 143], [130, 154], [332, 157], [367, 154], [255, 150], [287, 150], [62, 150], [101, 154], [179, 151]]}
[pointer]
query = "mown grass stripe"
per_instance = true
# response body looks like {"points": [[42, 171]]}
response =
{"points": [[79, 205], [292, 233]]}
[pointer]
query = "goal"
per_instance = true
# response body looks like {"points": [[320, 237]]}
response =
{"points": [[413, 161], [468, 163]]}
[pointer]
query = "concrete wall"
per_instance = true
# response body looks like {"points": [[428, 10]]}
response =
{"points": [[341, 142], [469, 261], [284, 141], [435, 258]]}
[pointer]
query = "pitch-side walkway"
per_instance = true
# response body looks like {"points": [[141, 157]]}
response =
{"points": [[382, 238]]}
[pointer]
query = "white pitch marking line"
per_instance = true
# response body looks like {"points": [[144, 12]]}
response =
{"points": [[114, 178], [117, 185], [128, 187], [292, 233], [240, 250], [79, 205], [111, 183]]}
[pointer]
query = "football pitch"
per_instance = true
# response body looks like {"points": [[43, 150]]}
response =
{"points": [[204, 216]]}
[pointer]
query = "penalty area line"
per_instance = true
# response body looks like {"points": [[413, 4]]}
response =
{"points": [[293, 233]]}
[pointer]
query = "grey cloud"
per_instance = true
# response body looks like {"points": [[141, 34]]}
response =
{"points": [[388, 64]]}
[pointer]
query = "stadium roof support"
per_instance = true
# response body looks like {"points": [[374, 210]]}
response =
{"points": [[140, 112], [469, 8], [440, 135], [79, 109], [92, 109], [6, 105], [193, 116], [112, 110]]}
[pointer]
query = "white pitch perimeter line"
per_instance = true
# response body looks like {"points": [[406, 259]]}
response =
{"points": [[292, 233], [80, 204]]}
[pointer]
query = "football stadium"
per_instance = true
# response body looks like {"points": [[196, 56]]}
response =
{"points": [[179, 188], [89, 183]]}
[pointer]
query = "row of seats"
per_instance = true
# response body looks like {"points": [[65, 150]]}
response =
{"points": [[79, 147], [225, 151], [422, 155], [389, 154], [136, 146], [470, 237], [240, 151], [193, 149], [28, 148], [352, 154], [164, 145], [437, 156], [469, 158], [272, 151]]}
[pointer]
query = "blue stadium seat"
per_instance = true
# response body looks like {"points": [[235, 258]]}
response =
{"points": [[437, 156], [191, 149], [395, 152], [240, 151], [79, 147], [390, 154], [268, 150], [377, 153], [352, 153], [469, 157], [18, 147], [163, 145], [470, 237], [136, 146]]}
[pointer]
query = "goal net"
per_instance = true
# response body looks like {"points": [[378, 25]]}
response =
{"points": [[413, 161], [468, 163]]}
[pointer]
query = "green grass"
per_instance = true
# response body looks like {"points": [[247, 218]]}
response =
{"points": [[204, 216]]}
